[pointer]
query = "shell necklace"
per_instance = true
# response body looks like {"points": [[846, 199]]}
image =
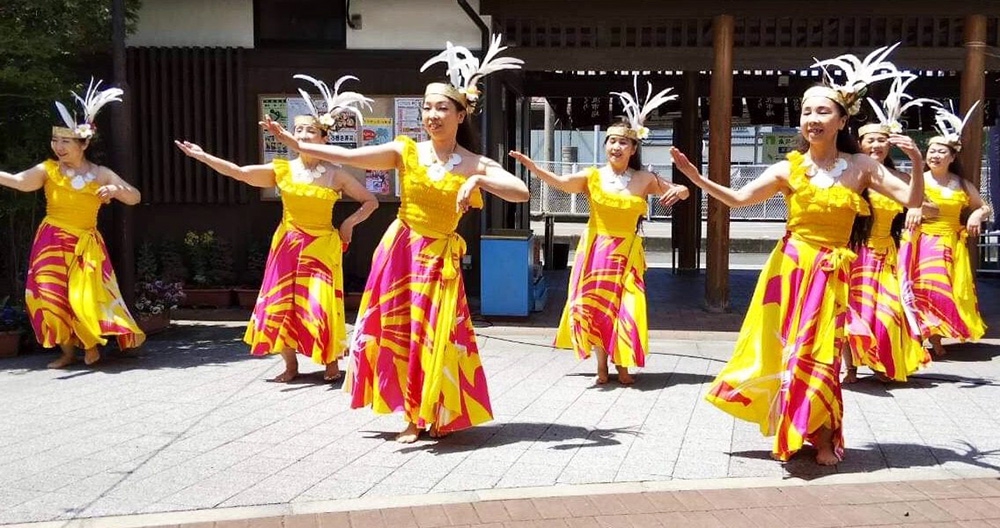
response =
{"points": [[616, 181], [825, 178], [79, 181], [303, 174], [436, 169], [947, 191]]}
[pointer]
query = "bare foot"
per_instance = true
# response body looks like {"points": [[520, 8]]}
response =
{"points": [[851, 377], [825, 454], [602, 367], [623, 376], [64, 361], [285, 376], [937, 347], [91, 356], [409, 435], [435, 433], [882, 377], [332, 372]]}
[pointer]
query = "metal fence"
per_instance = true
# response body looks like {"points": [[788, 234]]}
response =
{"points": [[548, 201]]}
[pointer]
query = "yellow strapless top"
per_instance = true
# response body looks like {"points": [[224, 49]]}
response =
{"points": [[69, 205], [884, 211], [821, 216], [304, 205], [949, 218], [612, 213], [425, 204]]}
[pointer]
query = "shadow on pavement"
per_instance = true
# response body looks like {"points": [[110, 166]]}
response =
{"points": [[563, 437]]}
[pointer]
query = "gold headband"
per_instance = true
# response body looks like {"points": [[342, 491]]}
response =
{"points": [[851, 102], [949, 142], [623, 131], [873, 128], [448, 91], [63, 132]]}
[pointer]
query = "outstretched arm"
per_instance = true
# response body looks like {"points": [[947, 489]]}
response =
{"points": [[492, 178], [761, 188], [377, 157], [256, 175], [568, 183], [25, 181], [353, 188], [118, 189]]}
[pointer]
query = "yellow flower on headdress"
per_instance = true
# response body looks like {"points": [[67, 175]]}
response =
{"points": [[892, 108], [91, 103], [636, 114]]}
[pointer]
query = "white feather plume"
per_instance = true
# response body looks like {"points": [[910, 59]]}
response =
{"points": [[636, 113], [68, 119], [859, 73], [893, 107], [465, 70], [336, 103], [91, 103], [950, 125]]}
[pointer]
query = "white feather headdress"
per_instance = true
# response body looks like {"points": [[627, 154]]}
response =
{"points": [[465, 70], [92, 102], [637, 114], [950, 127], [336, 102], [858, 74], [893, 107]]}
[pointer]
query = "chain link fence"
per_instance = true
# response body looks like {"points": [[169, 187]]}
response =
{"points": [[547, 201]]}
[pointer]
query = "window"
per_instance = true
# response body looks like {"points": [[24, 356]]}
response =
{"points": [[302, 24]]}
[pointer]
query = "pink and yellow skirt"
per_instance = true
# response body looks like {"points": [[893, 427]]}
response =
{"points": [[72, 293], [301, 302], [414, 349]]}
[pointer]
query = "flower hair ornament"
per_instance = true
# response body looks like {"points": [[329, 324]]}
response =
{"points": [[91, 104], [950, 126], [636, 114], [858, 73], [336, 102], [893, 107], [465, 71]]}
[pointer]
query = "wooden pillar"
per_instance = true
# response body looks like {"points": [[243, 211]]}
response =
{"points": [[122, 156], [686, 216], [719, 154], [973, 89]]}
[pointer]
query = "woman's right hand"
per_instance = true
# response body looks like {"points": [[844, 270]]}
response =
{"points": [[522, 159], [279, 132], [190, 149], [684, 164]]}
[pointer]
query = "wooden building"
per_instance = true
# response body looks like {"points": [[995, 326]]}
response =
{"points": [[198, 70]]}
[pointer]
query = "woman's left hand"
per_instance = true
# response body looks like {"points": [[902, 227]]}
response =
{"points": [[346, 232], [108, 192], [974, 224], [465, 194], [906, 144], [674, 194], [914, 216]]}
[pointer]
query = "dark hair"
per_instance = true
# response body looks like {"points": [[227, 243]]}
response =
{"points": [[847, 143], [466, 135], [635, 160]]}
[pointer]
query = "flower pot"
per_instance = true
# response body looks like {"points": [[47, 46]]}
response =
{"points": [[246, 298], [10, 342], [208, 298], [153, 324]]}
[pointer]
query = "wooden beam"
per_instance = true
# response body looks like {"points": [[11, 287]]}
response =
{"points": [[686, 225], [122, 156], [719, 154], [644, 9], [973, 89]]}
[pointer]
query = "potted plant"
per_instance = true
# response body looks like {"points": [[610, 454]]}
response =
{"points": [[13, 322], [155, 295], [253, 275], [210, 269]]}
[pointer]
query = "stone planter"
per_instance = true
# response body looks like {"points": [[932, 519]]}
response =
{"points": [[207, 298], [246, 298], [154, 323], [10, 343]]}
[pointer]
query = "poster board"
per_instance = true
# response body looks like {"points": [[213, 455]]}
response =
{"points": [[389, 117]]}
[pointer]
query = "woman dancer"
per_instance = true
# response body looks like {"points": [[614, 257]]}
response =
{"points": [[72, 293], [606, 303], [414, 348], [938, 282], [301, 303], [878, 333], [785, 372]]}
